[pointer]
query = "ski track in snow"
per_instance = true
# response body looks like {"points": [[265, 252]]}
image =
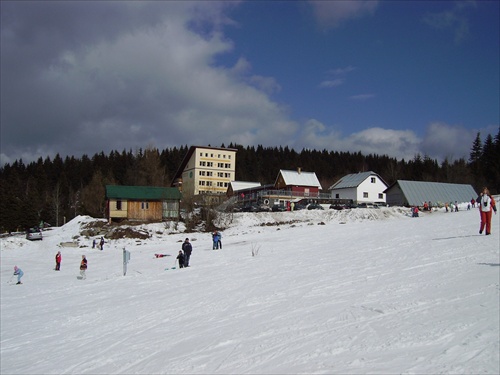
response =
{"points": [[382, 293]]}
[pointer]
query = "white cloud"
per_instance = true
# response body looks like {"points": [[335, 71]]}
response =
{"points": [[454, 19], [332, 13], [331, 83]]}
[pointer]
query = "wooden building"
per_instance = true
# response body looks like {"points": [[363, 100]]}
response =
{"points": [[142, 203]]}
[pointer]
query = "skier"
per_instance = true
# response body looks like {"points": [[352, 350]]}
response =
{"points": [[83, 267], [187, 248], [58, 261], [19, 272], [180, 258]]}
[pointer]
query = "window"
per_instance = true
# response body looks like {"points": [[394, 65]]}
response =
{"points": [[337, 195], [209, 174], [227, 165], [220, 165], [202, 173], [145, 205], [365, 194], [373, 180], [380, 196], [118, 205], [227, 175], [210, 164], [203, 164]]}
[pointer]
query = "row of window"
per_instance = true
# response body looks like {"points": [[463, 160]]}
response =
{"points": [[144, 205], [212, 155], [211, 164], [365, 195], [211, 174], [211, 183]]}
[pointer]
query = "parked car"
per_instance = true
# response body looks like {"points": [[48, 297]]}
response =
{"points": [[250, 208], [278, 208], [366, 205], [298, 207], [34, 234], [315, 206]]}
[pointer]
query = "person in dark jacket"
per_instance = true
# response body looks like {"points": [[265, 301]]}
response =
{"points": [[180, 259], [58, 261], [187, 248]]}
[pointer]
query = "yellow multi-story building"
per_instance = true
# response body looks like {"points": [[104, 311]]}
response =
{"points": [[206, 170]]}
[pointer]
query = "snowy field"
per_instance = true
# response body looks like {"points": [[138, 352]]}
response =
{"points": [[327, 292]]}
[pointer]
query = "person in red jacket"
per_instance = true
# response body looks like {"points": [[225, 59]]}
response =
{"points": [[486, 205], [58, 261]]}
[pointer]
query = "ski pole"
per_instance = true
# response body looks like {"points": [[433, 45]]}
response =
{"points": [[10, 280]]}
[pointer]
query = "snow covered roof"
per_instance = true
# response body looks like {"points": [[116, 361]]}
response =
{"points": [[299, 178], [417, 192], [354, 180], [241, 185]]}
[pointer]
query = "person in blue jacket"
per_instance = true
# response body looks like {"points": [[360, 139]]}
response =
{"points": [[19, 272], [216, 240]]}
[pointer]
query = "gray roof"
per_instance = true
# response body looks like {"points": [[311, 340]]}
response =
{"points": [[354, 180], [417, 192]]}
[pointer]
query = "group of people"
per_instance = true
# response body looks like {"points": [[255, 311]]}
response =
{"points": [[185, 254], [100, 245], [217, 240]]}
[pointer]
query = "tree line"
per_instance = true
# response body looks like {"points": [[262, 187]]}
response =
{"points": [[56, 190]]}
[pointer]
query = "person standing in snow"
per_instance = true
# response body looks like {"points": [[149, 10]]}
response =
{"points": [[83, 267], [215, 240], [101, 244], [187, 248], [180, 259], [58, 261], [486, 205], [19, 273], [219, 243]]}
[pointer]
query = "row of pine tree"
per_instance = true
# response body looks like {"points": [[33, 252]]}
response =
{"points": [[56, 190]]}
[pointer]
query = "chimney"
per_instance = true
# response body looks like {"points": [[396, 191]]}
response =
{"points": [[298, 170]]}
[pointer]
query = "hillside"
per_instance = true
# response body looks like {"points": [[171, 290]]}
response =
{"points": [[367, 290]]}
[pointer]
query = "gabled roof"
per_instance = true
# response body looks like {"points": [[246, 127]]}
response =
{"points": [[417, 192], [241, 185], [354, 180], [142, 192], [299, 178]]}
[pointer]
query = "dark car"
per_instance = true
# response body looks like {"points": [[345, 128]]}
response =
{"points": [[278, 208], [315, 206], [250, 208], [298, 207]]}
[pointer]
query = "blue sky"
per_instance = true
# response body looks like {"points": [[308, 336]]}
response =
{"points": [[395, 77]]}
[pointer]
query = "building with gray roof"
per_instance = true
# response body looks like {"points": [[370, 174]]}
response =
{"points": [[415, 193]]}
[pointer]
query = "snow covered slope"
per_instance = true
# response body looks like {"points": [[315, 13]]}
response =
{"points": [[365, 291]]}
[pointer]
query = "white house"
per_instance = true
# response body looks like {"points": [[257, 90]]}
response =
{"points": [[366, 187]]}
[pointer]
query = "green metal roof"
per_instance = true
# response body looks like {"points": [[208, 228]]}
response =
{"points": [[142, 192]]}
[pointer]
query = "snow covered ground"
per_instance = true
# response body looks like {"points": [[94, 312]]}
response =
{"points": [[327, 292]]}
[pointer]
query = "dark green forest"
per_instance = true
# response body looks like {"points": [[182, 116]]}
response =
{"points": [[56, 190]]}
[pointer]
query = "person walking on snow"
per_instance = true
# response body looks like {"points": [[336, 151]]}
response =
{"points": [[19, 273], [101, 244], [187, 248], [83, 267], [180, 259], [486, 205], [58, 261]]}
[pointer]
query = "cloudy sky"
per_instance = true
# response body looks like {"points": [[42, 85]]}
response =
{"points": [[395, 77]]}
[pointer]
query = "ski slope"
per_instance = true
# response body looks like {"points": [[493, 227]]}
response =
{"points": [[326, 292]]}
